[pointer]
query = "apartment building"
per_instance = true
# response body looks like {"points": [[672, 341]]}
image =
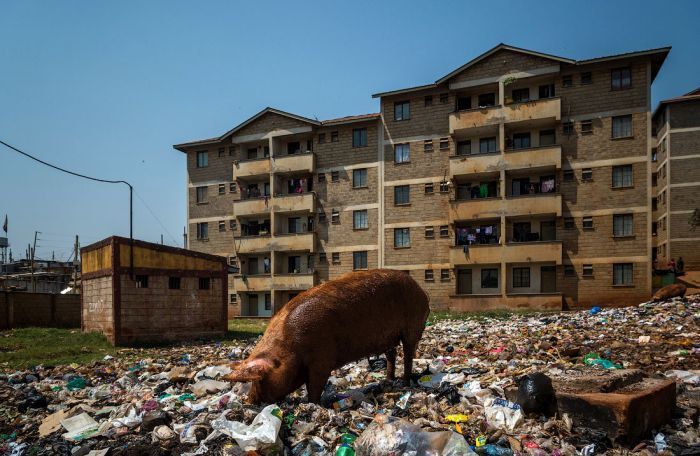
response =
{"points": [[519, 180], [676, 180]]}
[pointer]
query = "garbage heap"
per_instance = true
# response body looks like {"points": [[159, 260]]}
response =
{"points": [[605, 381]]}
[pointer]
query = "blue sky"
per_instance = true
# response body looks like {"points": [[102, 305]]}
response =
{"points": [[106, 88]]}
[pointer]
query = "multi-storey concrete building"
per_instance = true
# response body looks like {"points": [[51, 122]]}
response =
{"points": [[520, 179], [676, 180]]}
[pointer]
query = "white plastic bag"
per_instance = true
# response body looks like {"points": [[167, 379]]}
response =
{"points": [[261, 433], [503, 414]]}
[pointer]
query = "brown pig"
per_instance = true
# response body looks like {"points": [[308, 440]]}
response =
{"points": [[359, 314], [670, 291]]}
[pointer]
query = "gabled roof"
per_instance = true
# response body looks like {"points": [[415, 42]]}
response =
{"points": [[658, 55], [693, 95], [351, 119], [267, 110]]}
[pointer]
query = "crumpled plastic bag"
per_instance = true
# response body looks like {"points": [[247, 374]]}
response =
{"points": [[261, 433], [204, 387], [388, 435], [212, 372], [503, 414]]}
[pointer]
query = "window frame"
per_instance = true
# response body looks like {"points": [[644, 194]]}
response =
{"points": [[360, 182], [587, 270], [587, 223], [202, 158], [625, 128], [427, 101], [363, 217], [402, 238], [622, 172], [485, 277], [359, 137], [444, 275], [402, 153], [567, 81], [444, 231], [623, 225], [335, 136], [620, 77], [335, 257], [141, 281], [587, 174], [201, 194], [335, 216], [586, 78], [429, 275], [335, 177], [429, 188], [402, 110], [360, 255], [430, 232], [399, 190], [519, 277], [623, 269], [202, 231], [174, 283], [488, 140], [222, 189], [321, 138], [204, 283], [222, 226], [586, 126]]}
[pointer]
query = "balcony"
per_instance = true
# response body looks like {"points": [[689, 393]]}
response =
{"points": [[252, 206], [526, 252], [535, 111], [253, 244], [293, 163], [278, 282], [484, 208], [251, 168], [536, 157], [295, 202], [293, 242]]}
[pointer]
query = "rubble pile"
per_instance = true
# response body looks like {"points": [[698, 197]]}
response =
{"points": [[482, 385]]}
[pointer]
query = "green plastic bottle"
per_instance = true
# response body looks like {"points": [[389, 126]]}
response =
{"points": [[345, 450]]}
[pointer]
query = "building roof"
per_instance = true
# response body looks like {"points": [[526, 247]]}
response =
{"points": [[338, 121], [693, 95], [659, 55]]}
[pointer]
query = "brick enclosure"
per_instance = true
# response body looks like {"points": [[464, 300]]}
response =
{"points": [[22, 309], [174, 294], [586, 122]]}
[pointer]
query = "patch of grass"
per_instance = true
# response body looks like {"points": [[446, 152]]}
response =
{"points": [[27, 347], [245, 328], [481, 316]]}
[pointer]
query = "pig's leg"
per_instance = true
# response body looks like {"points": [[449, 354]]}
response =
{"points": [[409, 351], [317, 381], [391, 364]]}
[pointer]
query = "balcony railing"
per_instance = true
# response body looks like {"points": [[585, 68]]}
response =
{"points": [[484, 208], [294, 242], [251, 168], [251, 206], [295, 202], [294, 163], [244, 283], [524, 252], [535, 157], [253, 244], [478, 118]]}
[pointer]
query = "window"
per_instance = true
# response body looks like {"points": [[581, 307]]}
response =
{"points": [[444, 274], [444, 231], [568, 175], [321, 138], [521, 277], [547, 137], [587, 270], [444, 143], [586, 78], [620, 79], [231, 151], [174, 283], [567, 81], [322, 177], [222, 151], [429, 275], [335, 216], [521, 95], [464, 147], [622, 274], [360, 220], [622, 225], [233, 298], [444, 98], [232, 260], [429, 232], [359, 260], [487, 145], [359, 178], [587, 174], [334, 136], [268, 301], [402, 110], [546, 91], [222, 189], [444, 187], [203, 230], [202, 159], [568, 128], [587, 223], [464, 102], [322, 257], [321, 216], [521, 140], [622, 126], [487, 99], [335, 176], [201, 195], [359, 137], [654, 154], [489, 278], [428, 145], [622, 176], [402, 237], [204, 283], [222, 225], [402, 194], [429, 188], [402, 153], [232, 187], [232, 225], [335, 257], [569, 270], [293, 148], [252, 153], [141, 281], [569, 223], [586, 126], [428, 100]]}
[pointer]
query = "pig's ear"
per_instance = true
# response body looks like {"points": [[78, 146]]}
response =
{"points": [[249, 370]]}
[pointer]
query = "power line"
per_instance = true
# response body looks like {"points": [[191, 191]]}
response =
{"points": [[155, 217]]}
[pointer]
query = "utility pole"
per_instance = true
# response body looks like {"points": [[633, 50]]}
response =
{"points": [[161, 238], [76, 263], [33, 256], [184, 237]]}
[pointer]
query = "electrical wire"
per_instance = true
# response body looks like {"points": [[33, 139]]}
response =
{"points": [[155, 217]]}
